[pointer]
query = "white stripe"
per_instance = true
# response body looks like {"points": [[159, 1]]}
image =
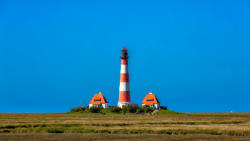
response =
{"points": [[124, 68], [121, 104], [124, 86]]}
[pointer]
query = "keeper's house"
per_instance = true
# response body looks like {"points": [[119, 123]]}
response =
{"points": [[151, 100], [98, 100]]}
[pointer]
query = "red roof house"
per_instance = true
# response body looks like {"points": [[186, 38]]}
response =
{"points": [[98, 100], [151, 100]]}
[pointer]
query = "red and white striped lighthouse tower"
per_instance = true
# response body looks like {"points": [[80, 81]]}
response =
{"points": [[124, 94]]}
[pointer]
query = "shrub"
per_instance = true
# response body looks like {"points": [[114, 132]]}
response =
{"points": [[78, 109], [132, 108], [163, 107], [124, 109], [140, 110], [95, 109], [147, 109], [115, 109]]}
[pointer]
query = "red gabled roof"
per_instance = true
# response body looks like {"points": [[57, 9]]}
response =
{"points": [[150, 99], [98, 99]]}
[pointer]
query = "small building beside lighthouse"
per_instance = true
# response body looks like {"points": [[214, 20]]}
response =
{"points": [[151, 100], [98, 100]]}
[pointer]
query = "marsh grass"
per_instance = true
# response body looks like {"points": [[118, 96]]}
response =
{"points": [[193, 124], [117, 137], [129, 131]]}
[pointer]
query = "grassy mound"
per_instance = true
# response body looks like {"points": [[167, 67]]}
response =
{"points": [[168, 112], [125, 110]]}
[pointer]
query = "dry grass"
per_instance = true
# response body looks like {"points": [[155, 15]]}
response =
{"points": [[196, 126], [115, 137]]}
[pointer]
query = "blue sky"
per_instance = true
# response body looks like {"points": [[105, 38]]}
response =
{"points": [[194, 55]]}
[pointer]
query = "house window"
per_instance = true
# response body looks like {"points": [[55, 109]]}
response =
{"points": [[150, 99]]}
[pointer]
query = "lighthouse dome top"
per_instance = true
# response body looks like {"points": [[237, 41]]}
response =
{"points": [[124, 49], [124, 54]]}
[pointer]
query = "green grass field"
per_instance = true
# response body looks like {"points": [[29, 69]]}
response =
{"points": [[165, 125]]}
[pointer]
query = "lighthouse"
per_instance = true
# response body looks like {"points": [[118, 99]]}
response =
{"points": [[124, 92]]}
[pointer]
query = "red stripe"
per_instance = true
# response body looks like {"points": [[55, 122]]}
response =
{"points": [[124, 61], [124, 77], [124, 96]]}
